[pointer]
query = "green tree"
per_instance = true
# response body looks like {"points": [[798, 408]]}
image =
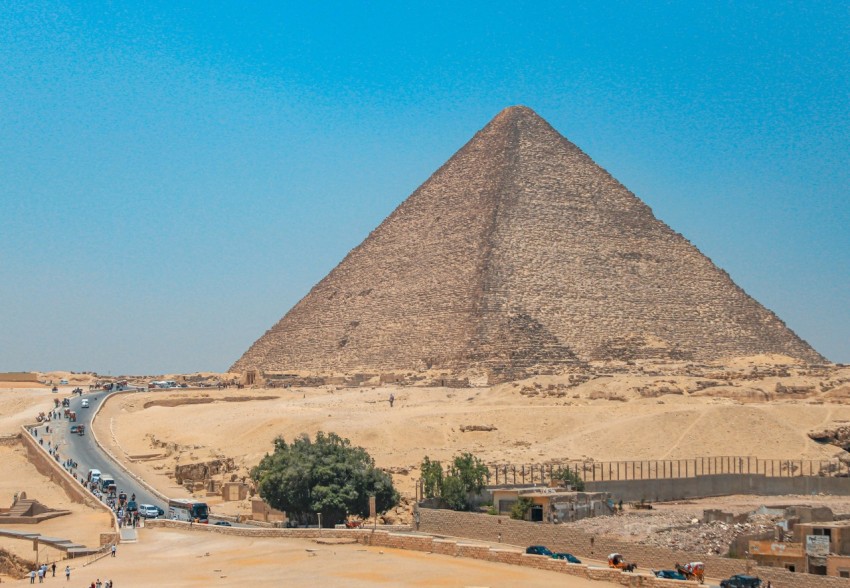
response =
{"points": [[570, 477], [432, 478], [328, 476], [520, 508], [471, 471], [454, 493], [466, 475]]}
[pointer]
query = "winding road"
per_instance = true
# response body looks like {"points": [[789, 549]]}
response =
{"points": [[89, 455]]}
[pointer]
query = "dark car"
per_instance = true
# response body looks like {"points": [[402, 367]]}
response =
{"points": [[223, 524], [541, 550], [741, 581], [132, 506], [669, 574], [567, 556]]}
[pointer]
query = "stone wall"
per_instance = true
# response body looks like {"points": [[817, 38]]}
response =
{"points": [[49, 467], [719, 485], [564, 538]]}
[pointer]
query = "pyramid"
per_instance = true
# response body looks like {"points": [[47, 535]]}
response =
{"points": [[519, 255]]}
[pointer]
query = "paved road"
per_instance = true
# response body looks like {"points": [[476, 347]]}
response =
{"points": [[88, 455]]}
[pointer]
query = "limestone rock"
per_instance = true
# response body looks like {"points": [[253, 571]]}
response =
{"points": [[520, 255]]}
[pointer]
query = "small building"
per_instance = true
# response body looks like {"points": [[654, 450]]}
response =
{"points": [[821, 548], [779, 554], [553, 505]]}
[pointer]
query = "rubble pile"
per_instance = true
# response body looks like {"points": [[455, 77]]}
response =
{"points": [[678, 530]]}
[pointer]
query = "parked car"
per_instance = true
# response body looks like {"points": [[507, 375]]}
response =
{"points": [[223, 524], [132, 506], [541, 550], [567, 556], [741, 581], [669, 574], [149, 511]]}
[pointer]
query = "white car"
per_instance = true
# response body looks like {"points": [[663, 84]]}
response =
{"points": [[149, 511], [84, 403]]}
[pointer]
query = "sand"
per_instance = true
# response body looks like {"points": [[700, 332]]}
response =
{"points": [[535, 421], [167, 557], [20, 405], [650, 414], [84, 525]]}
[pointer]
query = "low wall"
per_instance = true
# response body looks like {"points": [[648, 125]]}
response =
{"points": [[515, 557], [661, 490], [494, 529], [296, 533], [49, 467]]}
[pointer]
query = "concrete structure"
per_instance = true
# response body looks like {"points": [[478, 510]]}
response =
{"points": [[519, 255], [28, 511], [260, 511], [553, 505]]}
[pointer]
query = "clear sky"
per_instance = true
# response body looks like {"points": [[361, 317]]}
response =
{"points": [[175, 176]]}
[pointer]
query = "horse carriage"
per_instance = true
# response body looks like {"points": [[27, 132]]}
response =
{"points": [[615, 560], [694, 570]]}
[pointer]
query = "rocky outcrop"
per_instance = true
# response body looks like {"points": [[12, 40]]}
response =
{"points": [[838, 436], [201, 471]]}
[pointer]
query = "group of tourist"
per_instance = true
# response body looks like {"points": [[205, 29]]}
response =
{"points": [[41, 572]]}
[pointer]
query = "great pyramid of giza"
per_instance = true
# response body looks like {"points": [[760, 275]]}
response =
{"points": [[517, 255]]}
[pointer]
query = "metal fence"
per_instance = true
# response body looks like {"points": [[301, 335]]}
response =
{"points": [[606, 471]]}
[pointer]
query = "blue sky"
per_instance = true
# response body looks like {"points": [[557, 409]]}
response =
{"points": [[175, 176]]}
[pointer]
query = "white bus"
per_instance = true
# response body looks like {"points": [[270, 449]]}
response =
{"points": [[193, 511]]}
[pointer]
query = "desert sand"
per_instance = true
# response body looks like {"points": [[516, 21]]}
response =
{"points": [[623, 417], [83, 525], [166, 557], [762, 407]]}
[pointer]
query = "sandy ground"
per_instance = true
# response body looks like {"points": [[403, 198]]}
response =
{"points": [[20, 405], [620, 418], [167, 557], [652, 413], [83, 525]]}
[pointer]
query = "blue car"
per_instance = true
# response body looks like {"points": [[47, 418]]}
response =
{"points": [[567, 556], [669, 574], [541, 550]]}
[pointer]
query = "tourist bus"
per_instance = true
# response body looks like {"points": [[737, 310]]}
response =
{"points": [[193, 511]]}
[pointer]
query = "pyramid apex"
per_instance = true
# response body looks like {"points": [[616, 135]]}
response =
{"points": [[517, 112]]}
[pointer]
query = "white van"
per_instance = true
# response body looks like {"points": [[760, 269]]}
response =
{"points": [[94, 476], [84, 403]]}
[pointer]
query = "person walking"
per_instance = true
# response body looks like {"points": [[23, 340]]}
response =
{"points": [[67, 573], [114, 549], [41, 575], [32, 576], [53, 569]]}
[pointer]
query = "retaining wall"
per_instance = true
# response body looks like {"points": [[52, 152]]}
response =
{"points": [[566, 538], [719, 485], [49, 467]]}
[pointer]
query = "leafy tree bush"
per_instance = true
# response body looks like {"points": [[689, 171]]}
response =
{"points": [[569, 477], [467, 475], [472, 472], [432, 478], [521, 508], [454, 493], [328, 476]]}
